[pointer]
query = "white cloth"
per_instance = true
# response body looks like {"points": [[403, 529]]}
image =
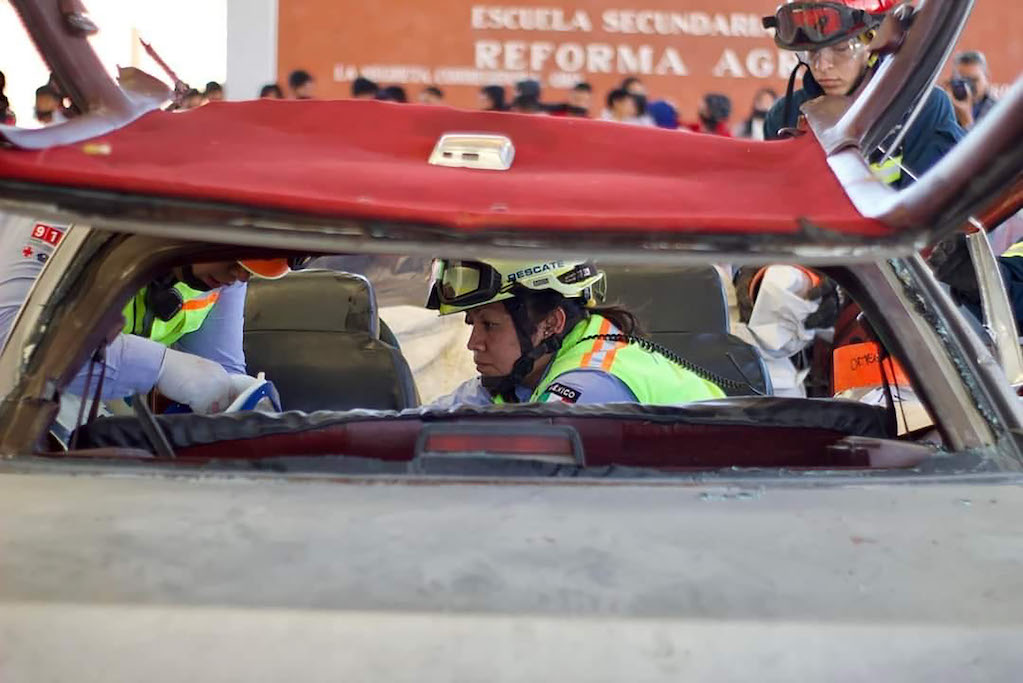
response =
{"points": [[776, 326], [25, 246]]}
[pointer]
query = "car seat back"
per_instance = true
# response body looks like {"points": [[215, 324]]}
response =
{"points": [[685, 310], [316, 335], [670, 299]]}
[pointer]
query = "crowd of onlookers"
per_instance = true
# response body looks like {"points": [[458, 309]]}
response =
{"points": [[629, 102]]}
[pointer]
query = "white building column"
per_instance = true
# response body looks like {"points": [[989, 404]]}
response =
{"points": [[251, 47]]}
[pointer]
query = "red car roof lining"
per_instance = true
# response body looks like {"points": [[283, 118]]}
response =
{"points": [[368, 160]]}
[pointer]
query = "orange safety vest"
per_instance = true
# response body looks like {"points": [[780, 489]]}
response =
{"points": [[859, 366]]}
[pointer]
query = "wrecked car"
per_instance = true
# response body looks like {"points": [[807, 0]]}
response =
{"points": [[360, 533]]}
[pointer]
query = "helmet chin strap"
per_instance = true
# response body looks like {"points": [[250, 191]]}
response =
{"points": [[504, 385]]}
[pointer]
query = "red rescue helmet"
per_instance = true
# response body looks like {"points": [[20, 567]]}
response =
{"points": [[271, 269], [274, 268], [815, 25]]}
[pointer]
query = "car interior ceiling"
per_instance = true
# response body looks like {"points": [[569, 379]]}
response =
{"points": [[347, 390]]}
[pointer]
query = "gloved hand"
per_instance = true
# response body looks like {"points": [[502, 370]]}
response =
{"points": [[195, 381], [826, 314], [240, 384]]}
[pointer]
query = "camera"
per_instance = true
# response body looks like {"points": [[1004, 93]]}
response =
{"points": [[960, 89]]}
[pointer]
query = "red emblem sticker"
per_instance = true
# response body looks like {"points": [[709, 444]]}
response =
{"points": [[47, 233], [27, 252]]}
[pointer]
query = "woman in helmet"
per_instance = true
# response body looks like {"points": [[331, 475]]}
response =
{"points": [[833, 39], [538, 336]]}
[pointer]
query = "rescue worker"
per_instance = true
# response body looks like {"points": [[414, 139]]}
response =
{"points": [[182, 332], [839, 60], [538, 336], [782, 309], [833, 40]]}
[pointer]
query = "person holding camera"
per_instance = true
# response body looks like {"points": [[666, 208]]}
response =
{"points": [[970, 88]]}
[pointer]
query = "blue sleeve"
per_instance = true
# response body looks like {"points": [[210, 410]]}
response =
{"points": [[468, 393], [932, 135], [220, 337], [132, 367], [587, 387]]}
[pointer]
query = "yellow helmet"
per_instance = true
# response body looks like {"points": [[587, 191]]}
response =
{"points": [[457, 286]]}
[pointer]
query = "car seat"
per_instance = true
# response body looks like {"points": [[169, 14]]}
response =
{"points": [[685, 309], [317, 335]]}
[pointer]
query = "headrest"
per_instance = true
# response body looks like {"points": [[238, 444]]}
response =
{"points": [[312, 301], [670, 298]]}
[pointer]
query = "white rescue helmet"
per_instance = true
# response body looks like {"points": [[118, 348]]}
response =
{"points": [[457, 286]]}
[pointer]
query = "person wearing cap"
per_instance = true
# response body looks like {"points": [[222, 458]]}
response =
{"points": [[182, 332], [833, 40], [538, 336]]}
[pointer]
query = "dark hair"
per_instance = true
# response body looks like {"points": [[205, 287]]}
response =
{"points": [[617, 95], [719, 106], [3, 82], [392, 93], [494, 93], [539, 304], [364, 86], [526, 104], [47, 91], [435, 91], [213, 86], [298, 78], [971, 57], [582, 86], [271, 89], [192, 92], [528, 88]]}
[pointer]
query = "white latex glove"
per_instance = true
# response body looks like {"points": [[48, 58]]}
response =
{"points": [[195, 381], [240, 384]]}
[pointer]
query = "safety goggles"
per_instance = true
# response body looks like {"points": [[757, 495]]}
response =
{"points": [[813, 25], [462, 283], [837, 53]]}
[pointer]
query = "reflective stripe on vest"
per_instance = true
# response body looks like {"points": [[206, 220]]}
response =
{"points": [[890, 172], [653, 379], [189, 319], [1014, 250]]}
